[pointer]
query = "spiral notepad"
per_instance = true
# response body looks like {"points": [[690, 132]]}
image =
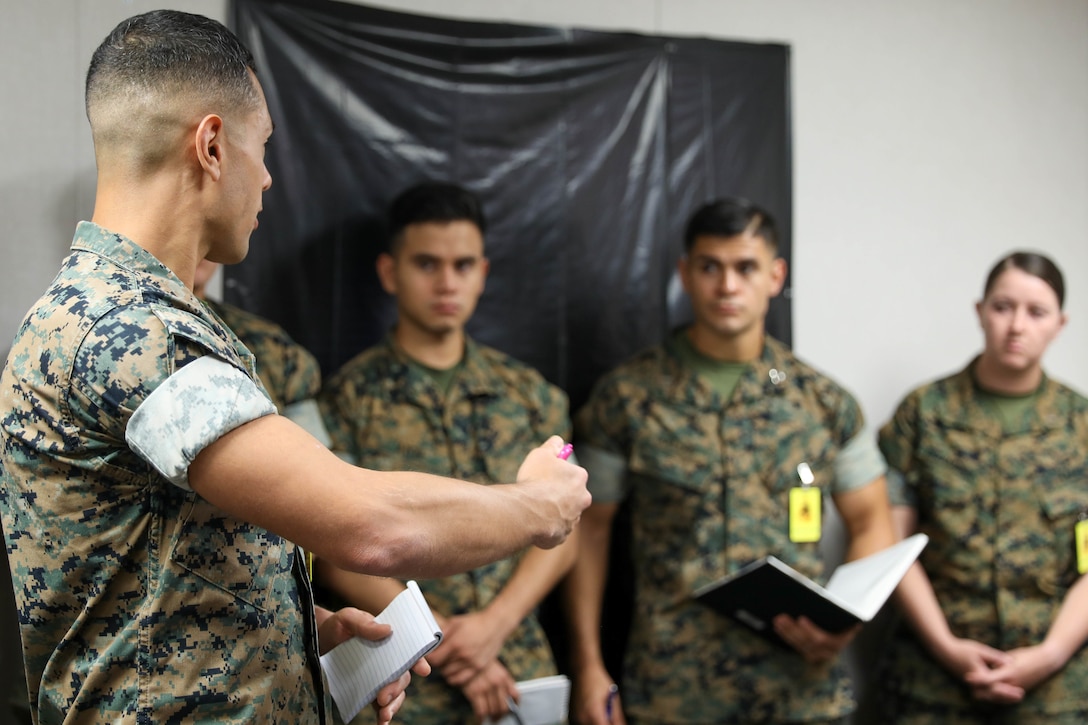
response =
{"points": [[544, 701], [358, 668]]}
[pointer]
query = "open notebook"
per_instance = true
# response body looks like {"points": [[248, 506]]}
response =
{"points": [[358, 668], [758, 592]]}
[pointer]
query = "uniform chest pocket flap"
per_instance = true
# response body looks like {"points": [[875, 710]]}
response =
{"points": [[676, 451], [1065, 504]]}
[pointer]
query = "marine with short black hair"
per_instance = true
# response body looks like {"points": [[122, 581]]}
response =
{"points": [[429, 398], [704, 437]]}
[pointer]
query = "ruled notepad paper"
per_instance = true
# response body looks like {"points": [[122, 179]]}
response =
{"points": [[358, 668]]}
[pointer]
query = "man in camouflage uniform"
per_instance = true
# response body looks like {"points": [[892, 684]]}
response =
{"points": [[994, 626], [706, 436], [428, 398], [289, 372], [147, 488]]}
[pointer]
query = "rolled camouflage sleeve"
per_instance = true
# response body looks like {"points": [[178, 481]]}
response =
{"points": [[897, 442], [192, 409], [859, 463], [601, 440], [607, 474]]}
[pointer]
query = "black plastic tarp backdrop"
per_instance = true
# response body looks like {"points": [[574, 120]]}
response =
{"points": [[589, 150]]}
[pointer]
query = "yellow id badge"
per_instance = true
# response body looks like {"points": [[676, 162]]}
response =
{"points": [[805, 514], [1080, 536]]}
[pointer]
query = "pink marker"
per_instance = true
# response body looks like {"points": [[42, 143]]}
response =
{"points": [[565, 451]]}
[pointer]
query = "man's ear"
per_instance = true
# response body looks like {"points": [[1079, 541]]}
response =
{"points": [[384, 266], [209, 145], [683, 273], [778, 275], [485, 267]]}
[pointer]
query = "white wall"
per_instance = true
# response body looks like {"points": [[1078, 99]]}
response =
{"points": [[47, 172], [930, 137]]}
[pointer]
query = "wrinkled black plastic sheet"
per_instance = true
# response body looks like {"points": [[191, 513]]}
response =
{"points": [[589, 149]]}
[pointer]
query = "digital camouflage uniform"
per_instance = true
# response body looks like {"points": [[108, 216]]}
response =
{"points": [[708, 481], [999, 508], [387, 414], [138, 601]]}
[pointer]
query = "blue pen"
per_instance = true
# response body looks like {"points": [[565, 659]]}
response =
{"points": [[613, 690]]}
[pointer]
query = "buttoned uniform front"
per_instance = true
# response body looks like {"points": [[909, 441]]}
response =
{"points": [[708, 482], [138, 601], [386, 413], [999, 506]]}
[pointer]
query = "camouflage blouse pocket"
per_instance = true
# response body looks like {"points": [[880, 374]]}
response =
{"points": [[502, 440], [1063, 506], [243, 561], [796, 440], [947, 471], [677, 514], [677, 447]]}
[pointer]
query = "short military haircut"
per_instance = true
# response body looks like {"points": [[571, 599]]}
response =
{"points": [[433, 201], [152, 66], [729, 217], [1033, 263]]}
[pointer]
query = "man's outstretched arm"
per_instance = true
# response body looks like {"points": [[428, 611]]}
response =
{"points": [[274, 474]]}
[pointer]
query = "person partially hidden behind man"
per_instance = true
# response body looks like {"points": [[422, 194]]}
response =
{"points": [[148, 488], [429, 398], [289, 372]]}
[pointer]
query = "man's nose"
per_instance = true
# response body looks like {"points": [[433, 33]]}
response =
{"points": [[729, 281], [447, 277]]}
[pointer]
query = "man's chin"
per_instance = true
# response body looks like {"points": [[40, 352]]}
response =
{"points": [[228, 256], [442, 330]]}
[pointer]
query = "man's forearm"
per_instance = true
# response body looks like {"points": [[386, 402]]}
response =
{"points": [[272, 473], [583, 589]]}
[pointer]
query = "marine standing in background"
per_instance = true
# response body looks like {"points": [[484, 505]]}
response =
{"points": [[992, 464], [705, 436], [429, 398]]}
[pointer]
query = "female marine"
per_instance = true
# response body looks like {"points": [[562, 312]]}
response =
{"points": [[992, 464]]}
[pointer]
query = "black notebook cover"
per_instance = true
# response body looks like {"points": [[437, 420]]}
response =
{"points": [[762, 590], [766, 588]]}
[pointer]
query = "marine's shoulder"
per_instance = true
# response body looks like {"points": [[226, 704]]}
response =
{"points": [[517, 379], [370, 366]]}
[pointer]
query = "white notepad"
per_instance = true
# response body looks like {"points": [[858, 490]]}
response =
{"points": [[544, 701], [358, 668]]}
